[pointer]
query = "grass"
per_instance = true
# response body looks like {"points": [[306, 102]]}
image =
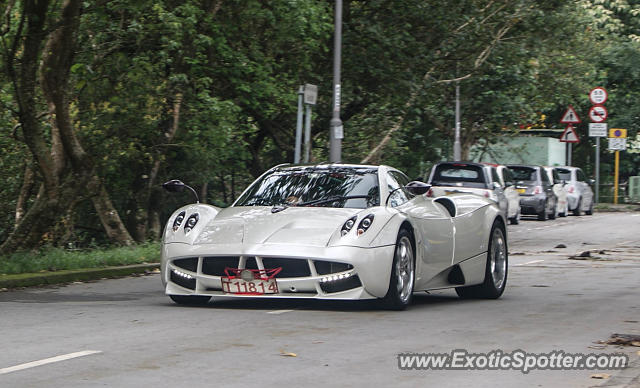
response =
{"points": [[57, 259]]}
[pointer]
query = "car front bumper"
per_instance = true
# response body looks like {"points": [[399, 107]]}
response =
{"points": [[341, 272]]}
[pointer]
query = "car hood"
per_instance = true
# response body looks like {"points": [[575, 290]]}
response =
{"points": [[311, 226]]}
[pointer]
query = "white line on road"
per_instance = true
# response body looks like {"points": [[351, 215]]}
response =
{"points": [[50, 360], [530, 262], [277, 312]]}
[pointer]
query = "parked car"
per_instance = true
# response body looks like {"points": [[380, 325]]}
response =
{"points": [[579, 193], [510, 191], [334, 231], [560, 190], [447, 178], [536, 191]]}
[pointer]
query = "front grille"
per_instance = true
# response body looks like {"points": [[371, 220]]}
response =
{"points": [[190, 263], [182, 281], [327, 267], [215, 265], [341, 285], [291, 268]]}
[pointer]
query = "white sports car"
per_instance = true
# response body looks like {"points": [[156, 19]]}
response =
{"points": [[334, 231]]}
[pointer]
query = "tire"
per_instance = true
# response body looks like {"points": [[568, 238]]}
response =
{"points": [[190, 300], [515, 220], [495, 276], [578, 210], [542, 216], [554, 213], [590, 211], [402, 274]]}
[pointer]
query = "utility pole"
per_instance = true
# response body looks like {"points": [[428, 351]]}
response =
{"points": [[336, 133], [456, 143]]}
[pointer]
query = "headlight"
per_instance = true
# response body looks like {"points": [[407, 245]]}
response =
{"points": [[364, 225], [348, 225], [178, 221], [191, 222]]}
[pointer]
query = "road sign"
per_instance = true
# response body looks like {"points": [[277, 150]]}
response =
{"points": [[310, 94], [598, 129], [569, 135], [618, 133], [598, 113], [570, 116], [617, 143], [598, 96]]}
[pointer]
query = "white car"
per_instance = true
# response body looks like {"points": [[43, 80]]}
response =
{"points": [[482, 179], [334, 231], [579, 193], [560, 190]]}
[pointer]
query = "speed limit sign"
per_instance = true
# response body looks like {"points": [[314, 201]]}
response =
{"points": [[598, 96]]}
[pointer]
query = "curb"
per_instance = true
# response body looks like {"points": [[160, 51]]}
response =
{"points": [[76, 275]]}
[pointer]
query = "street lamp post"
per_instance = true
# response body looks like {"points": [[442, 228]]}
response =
{"points": [[336, 133], [456, 143]]}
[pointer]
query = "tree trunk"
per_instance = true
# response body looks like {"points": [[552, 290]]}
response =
{"points": [[25, 193]]}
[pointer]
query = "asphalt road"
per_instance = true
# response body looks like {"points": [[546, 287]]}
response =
{"points": [[126, 333]]}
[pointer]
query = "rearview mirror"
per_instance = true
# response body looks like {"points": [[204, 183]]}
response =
{"points": [[174, 186], [177, 186], [417, 187]]}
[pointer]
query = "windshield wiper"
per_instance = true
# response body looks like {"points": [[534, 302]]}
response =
{"points": [[331, 199], [280, 207]]}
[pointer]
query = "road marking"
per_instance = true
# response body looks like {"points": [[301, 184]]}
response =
{"points": [[46, 361], [530, 262], [277, 312]]}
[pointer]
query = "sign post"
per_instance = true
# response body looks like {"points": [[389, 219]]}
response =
{"points": [[617, 142], [597, 128]]}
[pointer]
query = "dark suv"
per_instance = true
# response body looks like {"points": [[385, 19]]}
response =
{"points": [[536, 191]]}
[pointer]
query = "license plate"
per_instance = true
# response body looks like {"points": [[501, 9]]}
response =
{"points": [[521, 191], [250, 287]]}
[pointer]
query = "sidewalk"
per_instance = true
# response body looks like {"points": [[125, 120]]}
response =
{"points": [[70, 276]]}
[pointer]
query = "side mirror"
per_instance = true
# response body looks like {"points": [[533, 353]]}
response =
{"points": [[174, 186], [177, 186], [591, 182], [496, 185], [417, 187]]}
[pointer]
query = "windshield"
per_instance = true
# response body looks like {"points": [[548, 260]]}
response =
{"points": [[300, 186], [524, 173]]}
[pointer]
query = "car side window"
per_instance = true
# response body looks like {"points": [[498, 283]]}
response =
{"points": [[395, 184], [556, 177], [580, 175]]}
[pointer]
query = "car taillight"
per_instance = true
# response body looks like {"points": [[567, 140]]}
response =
{"points": [[571, 188], [430, 193], [537, 190], [486, 194]]}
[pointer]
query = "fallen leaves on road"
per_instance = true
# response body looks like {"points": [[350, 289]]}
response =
{"points": [[287, 354], [600, 376], [560, 246], [623, 339]]}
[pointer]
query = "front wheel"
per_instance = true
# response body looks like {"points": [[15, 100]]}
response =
{"points": [[578, 210], [495, 276], [190, 300], [590, 211], [402, 274]]}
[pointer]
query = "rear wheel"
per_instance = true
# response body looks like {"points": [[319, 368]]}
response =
{"points": [[191, 300], [495, 277], [402, 274], [542, 216], [578, 210], [554, 212]]}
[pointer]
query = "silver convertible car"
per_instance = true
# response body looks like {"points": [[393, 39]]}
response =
{"points": [[334, 231]]}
